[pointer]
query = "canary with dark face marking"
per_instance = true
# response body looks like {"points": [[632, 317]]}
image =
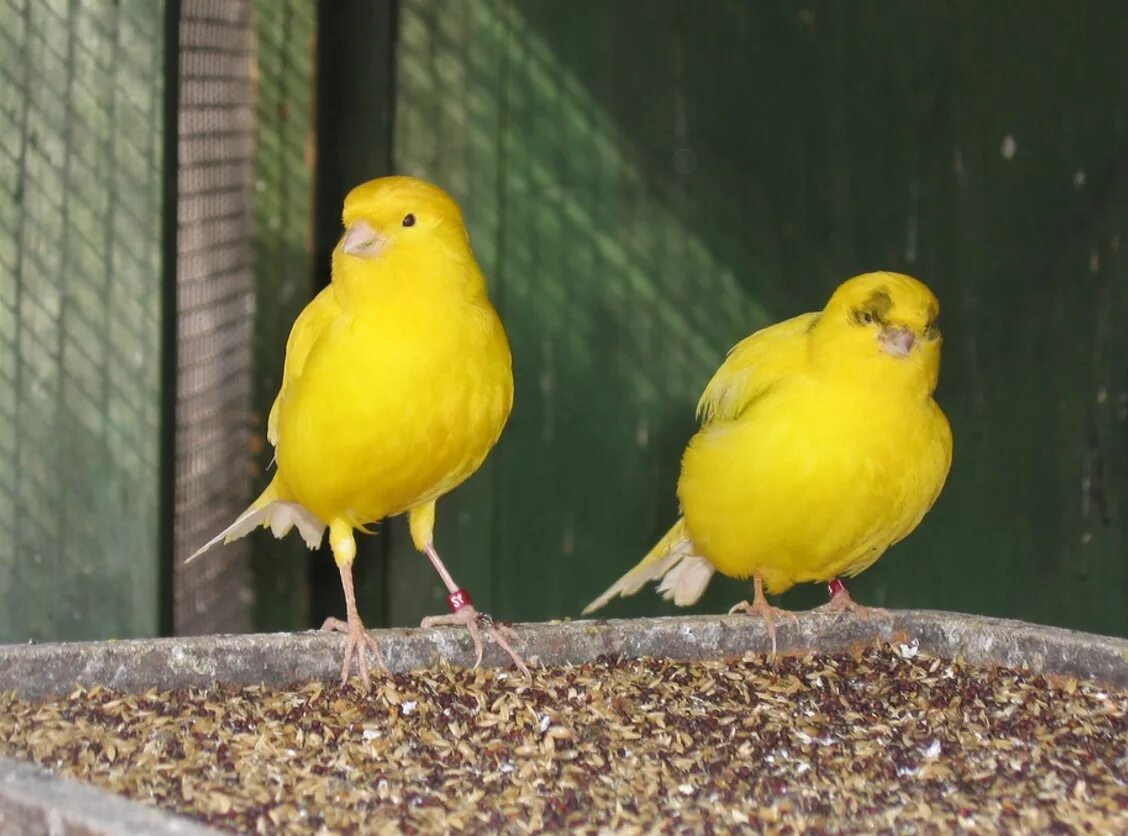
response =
{"points": [[820, 447]]}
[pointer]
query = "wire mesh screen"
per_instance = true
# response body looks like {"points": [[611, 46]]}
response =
{"points": [[80, 166], [215, 284]]}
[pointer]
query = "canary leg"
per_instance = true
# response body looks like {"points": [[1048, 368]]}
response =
{"points": [[840, 602], [762, 608], [357, 638], [463, 614]]}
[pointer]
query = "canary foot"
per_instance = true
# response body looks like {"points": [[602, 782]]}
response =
{"points": [[463, 614], [476, 622], [762, 608], [358, 639], [840, 602]]}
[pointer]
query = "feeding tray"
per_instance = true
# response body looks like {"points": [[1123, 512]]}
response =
{"points": [[927, 720]]}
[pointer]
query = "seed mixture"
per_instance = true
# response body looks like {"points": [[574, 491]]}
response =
{"points": [[888, 738]]}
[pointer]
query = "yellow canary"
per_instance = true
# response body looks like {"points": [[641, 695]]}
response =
{"points": [[820, 447], [397, 382]]}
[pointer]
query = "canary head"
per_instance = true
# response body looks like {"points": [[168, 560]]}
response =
{"points": [[400, 213], [883, 328]]}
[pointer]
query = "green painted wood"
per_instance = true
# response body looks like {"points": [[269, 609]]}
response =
{"points": [[449, 126], [648, 182], [80, 265], [284, 270]]}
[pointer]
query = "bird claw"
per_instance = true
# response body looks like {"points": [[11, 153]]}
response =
{"points": [[841, 603], [478, 623], [767, 612], [356, 639]]}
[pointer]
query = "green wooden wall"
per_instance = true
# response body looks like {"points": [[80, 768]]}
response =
{"points": [[646, 183], [81, 98]]}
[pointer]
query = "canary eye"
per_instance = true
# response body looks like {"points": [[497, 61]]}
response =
{"points": [[409, 220], [866, 316]]}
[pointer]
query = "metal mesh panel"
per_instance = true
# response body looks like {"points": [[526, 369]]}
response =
{"points": [[215, 296], [80, 165]]}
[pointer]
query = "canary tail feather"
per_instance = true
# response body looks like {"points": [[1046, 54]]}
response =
{"points": [[268, 511], [683, 574], [286, 515], [685, 583]]}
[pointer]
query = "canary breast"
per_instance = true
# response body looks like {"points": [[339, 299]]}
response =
{"points": [[398, 402], [813, 480]]}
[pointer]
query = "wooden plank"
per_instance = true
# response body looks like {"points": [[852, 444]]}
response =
{"points": [[450, 79], [602, 278], [284, 270], [80, 319]]}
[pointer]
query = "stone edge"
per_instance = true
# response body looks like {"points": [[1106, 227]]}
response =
{"points": [[33, 800]]}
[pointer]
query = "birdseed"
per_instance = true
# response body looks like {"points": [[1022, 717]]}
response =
{"points": [[889, 738]]}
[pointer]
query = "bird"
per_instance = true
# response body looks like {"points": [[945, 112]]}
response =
{"points": [[820, 446], [397, 382]]}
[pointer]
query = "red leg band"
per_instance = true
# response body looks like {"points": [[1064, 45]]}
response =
{"points": [[458, 599], [835, 586]]}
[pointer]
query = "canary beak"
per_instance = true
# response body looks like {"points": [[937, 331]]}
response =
{"points": [[362, 241], [896, 342]]}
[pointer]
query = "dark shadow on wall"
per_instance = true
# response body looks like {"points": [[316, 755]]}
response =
{"points": [[869, 138]]}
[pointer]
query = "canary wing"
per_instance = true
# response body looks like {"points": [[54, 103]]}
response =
{"points": [[273, 509], [308, 328], [753, 366]]}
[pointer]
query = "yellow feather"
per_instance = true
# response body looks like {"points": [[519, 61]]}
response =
{"points": [[752, 366], [309, 325], [821, 444]]}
